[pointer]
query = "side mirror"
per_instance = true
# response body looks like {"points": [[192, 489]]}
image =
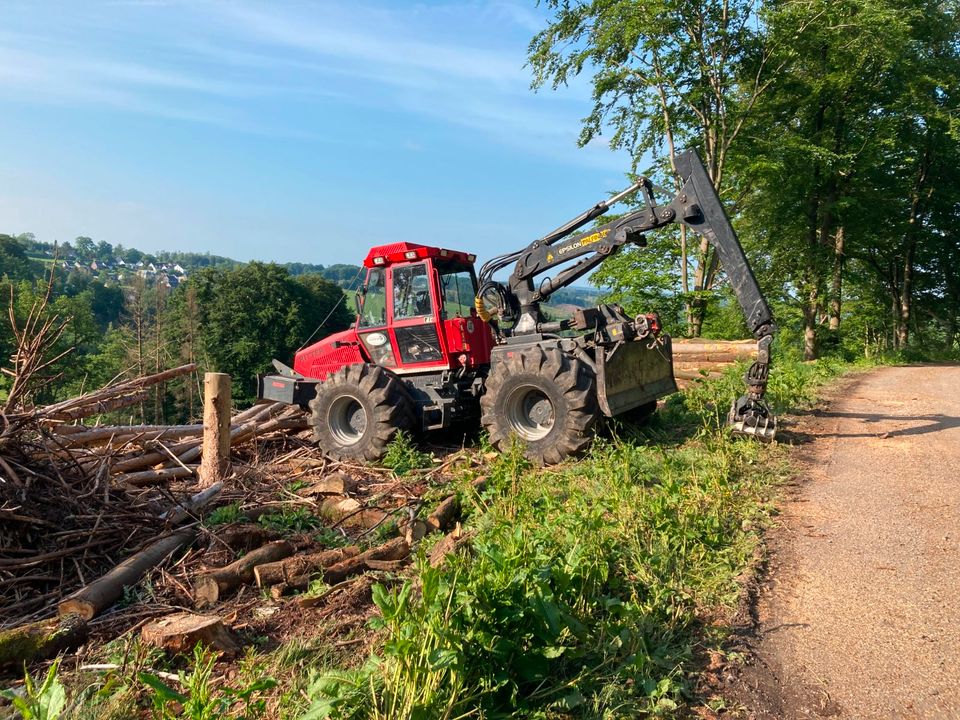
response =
{"points": [[358, 299]]}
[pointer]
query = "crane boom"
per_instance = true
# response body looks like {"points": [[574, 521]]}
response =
{"points": [[698, 207]]}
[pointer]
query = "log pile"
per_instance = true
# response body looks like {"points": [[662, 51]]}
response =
{"points": [[697, 358]]}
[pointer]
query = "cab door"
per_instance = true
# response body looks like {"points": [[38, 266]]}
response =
{"points": [[372, 320], [414, 318]]}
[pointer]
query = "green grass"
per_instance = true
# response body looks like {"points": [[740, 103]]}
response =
{"points": [[593, 588]]}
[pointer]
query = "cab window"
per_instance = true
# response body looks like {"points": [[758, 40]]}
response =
{"points": [[459, 290], [411, 292], [373, 308]]}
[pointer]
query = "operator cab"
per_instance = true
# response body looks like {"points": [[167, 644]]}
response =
{"points": [[415, 312]]}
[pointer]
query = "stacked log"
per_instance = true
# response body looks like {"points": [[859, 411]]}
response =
{"points": [[697, 358]]}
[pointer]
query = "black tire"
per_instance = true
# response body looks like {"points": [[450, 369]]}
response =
{"points": [[357, 411], [545, 398]]}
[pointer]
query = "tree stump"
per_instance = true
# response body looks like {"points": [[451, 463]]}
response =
{"points": [[181, 632], [215, 458]]}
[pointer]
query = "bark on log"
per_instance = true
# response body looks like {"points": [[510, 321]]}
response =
{"points": [[41, 640], [216, 428], [701, 358], [706, 366], [117, 434], [156, 477], [450, 544], [685, 347], [98, 407], [141, 460], [286, 570], [694, 375], [189, 451], [333, 484], [182, 511], [445, 514], [396, 549], [68, 407], [102, 593], [181, 632], [217, 583]]}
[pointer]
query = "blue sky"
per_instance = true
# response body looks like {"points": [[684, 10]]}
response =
{"points": [[287, 130]]}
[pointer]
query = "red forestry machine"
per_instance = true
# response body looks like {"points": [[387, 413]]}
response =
{"points": [[432, 346]]}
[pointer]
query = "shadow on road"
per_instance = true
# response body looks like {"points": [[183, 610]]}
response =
{"points": [[933, 423]]}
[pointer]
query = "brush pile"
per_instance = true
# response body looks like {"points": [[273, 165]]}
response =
{"points": [[105, 529], [75, 497]]}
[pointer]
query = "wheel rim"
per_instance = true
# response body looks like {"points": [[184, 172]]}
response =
{"points": [[347, 420], [530, 413]]}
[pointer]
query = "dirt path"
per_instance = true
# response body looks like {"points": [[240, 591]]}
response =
{"points": [[860, 616]]}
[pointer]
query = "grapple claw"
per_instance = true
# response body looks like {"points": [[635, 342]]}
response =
{"points": [[752, 418]]}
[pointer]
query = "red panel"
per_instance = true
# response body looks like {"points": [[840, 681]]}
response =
{"points": [[470, 337], [329, 355], [397, 253]]}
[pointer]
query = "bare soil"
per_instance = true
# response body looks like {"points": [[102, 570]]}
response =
{"points": [[859, 612]]}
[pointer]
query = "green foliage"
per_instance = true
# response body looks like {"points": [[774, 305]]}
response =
{"points": [[224, 515], [403, 455], [248, 316], [45, 701], [291, 520], [200, 699], [14, 261], [583, 591]]}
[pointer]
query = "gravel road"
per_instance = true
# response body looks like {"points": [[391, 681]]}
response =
{"points": [[860, 615]]}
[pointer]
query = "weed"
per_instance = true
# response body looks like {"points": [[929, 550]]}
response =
{"points": [[330, 538], [403, 455], [294, 520], [586, 588], [43, 702], [201, 700], [224, 515]]}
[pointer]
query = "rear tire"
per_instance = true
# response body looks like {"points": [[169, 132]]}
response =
{"points": [[545, 398], [357, 411]]}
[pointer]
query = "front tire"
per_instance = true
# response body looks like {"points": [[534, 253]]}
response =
{"points": [[357, 410], [545, 398]]}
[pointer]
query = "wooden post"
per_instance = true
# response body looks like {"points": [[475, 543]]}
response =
{"points": [[215, 459]]}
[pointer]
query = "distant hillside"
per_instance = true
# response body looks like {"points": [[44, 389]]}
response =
{"points": [[107, 262], [577, 296], [114, 264]]}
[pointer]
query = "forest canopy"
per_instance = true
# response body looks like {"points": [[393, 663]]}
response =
{"points": [[830, 128]]}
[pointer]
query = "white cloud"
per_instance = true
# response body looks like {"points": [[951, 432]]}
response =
{"points": [[223, 63]]}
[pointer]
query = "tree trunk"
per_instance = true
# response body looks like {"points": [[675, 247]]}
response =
{"points": [[906, 300], [41, 640], [215, 459], [103, 593], [836, 282], [284, 571]]}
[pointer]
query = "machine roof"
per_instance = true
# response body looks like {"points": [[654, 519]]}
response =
{"points": [[406, 252]]}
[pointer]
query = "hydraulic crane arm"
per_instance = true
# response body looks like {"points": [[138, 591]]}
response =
{"points": [[696, 206]]}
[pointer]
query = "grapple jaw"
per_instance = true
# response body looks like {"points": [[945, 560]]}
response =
{"points": [[751, 417]]}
